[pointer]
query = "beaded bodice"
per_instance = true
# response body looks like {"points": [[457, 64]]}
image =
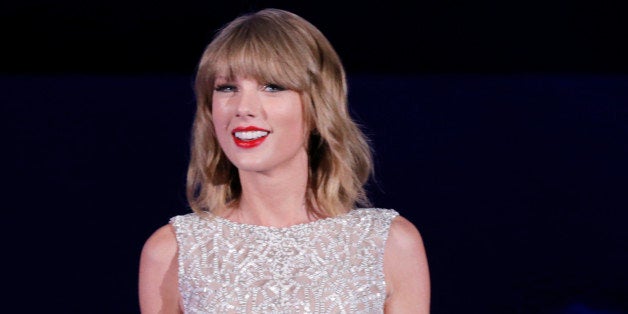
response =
{"points": [[332, 265]]}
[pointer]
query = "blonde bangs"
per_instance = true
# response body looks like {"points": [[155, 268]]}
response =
{"points": [[258, 53]]}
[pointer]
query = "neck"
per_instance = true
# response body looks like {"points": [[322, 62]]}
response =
{"points": [[273, 199]]}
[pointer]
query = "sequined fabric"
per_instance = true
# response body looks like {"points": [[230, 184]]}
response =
{"points": [[332, 265]]}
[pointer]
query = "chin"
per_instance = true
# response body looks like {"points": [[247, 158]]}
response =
{"points": [[252, 166]]}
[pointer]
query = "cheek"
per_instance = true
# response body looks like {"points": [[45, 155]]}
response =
{"points": [[296, 126], [220, 124], [219, 115], [293, 114]]}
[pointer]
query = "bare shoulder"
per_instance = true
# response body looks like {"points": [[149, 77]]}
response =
{"points": [[404, 234], [404, 245], [162, 244], [406, 269], [158, 287]]}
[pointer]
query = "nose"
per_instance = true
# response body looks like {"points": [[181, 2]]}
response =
{"points": [[248, 103]]}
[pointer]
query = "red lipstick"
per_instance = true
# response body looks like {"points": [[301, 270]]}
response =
{"points": [[244, 142]]}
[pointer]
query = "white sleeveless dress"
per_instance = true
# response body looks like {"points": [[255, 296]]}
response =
{"points": [[332, 265]]}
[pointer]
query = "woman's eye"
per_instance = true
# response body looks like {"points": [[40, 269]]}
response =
{"points": [[225, 88], [273, 88]]}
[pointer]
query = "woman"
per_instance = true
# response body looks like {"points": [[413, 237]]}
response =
{"points": [[276, 170]]}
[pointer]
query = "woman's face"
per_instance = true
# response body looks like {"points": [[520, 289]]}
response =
{"points": [[259, 125]]}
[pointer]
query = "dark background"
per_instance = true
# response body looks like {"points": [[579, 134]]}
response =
{"points": [[500, 129]]}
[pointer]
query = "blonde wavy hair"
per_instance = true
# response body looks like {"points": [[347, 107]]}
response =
{"points": [[277, 46]]}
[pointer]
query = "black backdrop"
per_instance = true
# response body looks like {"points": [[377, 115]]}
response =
{"points": [[499, 130]]}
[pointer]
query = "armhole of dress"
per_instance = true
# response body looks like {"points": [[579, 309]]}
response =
{"points": [[389, 216], [176, 223]]}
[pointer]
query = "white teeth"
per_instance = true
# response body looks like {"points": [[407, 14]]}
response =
{"points": [[250, 135]]}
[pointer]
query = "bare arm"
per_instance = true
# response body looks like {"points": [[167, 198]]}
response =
{"points": [[406, 270], [158, 279]]}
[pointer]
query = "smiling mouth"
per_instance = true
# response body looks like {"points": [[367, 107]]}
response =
{"points": [[250, 135]]}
